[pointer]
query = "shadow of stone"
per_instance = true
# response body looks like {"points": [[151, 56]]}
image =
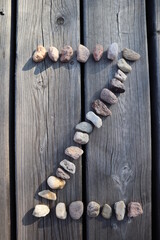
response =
{"points": [[29, 65], [28, 218]]}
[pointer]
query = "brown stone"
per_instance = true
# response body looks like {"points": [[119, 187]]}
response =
{"points": [[134, 209], [62, 174], [108, 96], [74, 152], [40, 54], [100, 108], [66, 54], [117, 86], [82, 54], [97, 52], [130, 54], [53, 54]]}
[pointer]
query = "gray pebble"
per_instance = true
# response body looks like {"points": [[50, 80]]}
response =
{"points": [[81, 138], [121, 76], [68, 166], [82, 53], [93, 209], [76, 210], [107, 211], [112, 52], [130, 54], [108, 97], [97, 121], [84, 127], [117, 86], [62, 174], [124, 66]]}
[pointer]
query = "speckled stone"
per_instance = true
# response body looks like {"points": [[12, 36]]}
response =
{"points": [[121, 76], [97, 121], [62, 174], [130, 54], [66, 54], [40, 54], [134, 209], [76, 210], [100, 108], [68, 166], [93, 209], [97, 52], [108, 97], [84, 127], [61, 212], [120, 210], [41, 210], [74, 152], [112, 52], [53, 54], [117, 86], [124, 66], [82, 54], [47, 194], [55, 183], [107, 211], [81, 138]]}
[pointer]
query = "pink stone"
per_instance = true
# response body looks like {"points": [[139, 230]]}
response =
{"points": [[134, 209], [66, 53], [97, 52]]}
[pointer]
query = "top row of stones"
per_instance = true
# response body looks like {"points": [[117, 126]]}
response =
{"points": [[83, 53]]}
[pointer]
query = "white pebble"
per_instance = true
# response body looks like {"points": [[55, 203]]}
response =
{"points": [[97, 121]]}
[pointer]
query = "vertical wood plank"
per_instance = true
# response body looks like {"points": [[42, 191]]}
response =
{"points": [[119, 154], [5, 37], [48, 106]]}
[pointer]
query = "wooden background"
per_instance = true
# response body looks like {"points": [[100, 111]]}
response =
{"points": [[42, 103]]}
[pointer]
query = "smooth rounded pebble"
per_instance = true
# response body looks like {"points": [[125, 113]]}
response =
{"points": [[53, 54], [117, 86], [130, 54], [121, 76], [97, 52], [68, 166], [107, 211], [56, 183], [62, 174], [112, 52], [40, 54], [41, 210], [66, 54], [61, 212], [47, 194], [74, 152], [84, 127], [81, 138], [120, 210], [134, 209], [108, 97], [82, 53], [76, 210], [100, 108], [124, 66], [97, 121], [93, 209]]}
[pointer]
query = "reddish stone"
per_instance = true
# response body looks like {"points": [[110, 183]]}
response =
{"points": [[97, 52], [134, 209]]}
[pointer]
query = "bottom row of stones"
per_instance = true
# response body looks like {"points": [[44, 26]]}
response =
{"points": [[76, 210]]}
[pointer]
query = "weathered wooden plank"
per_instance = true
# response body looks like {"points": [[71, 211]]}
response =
{"points": [[5, 37], [48, 106], [119, 154], [153, 22]]}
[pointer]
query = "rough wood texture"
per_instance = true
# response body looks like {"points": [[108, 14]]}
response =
{"points": [[5, 25], [119, 154], [48, 106]]}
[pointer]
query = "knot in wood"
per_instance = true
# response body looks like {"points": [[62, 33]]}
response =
{"points": [[60, 20]]}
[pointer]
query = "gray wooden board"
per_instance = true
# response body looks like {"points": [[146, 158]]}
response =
{"points": [[5, 34], [48, 106], [118, 156]]}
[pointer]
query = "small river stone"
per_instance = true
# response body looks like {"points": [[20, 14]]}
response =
{"points": [[112, 52], [108, 97], [82, 54], [124, 66], [66, 53], [81, 138], [100, 108], [84, 127], [47, 194], [68, 166], [130, 54], [97, 121], [107, 211], [76, 210], [55, 183], [41, 210], [121, 76], [61, 212], [120, 210], [62, 174], [117, 86], [97, 52], [40, 54], [93, 209], [134, 209], [74, 152], [53, 54]]}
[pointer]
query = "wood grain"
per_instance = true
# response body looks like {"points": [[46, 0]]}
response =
{"points": [[119, 154], [48, 106], [5, 35]]}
